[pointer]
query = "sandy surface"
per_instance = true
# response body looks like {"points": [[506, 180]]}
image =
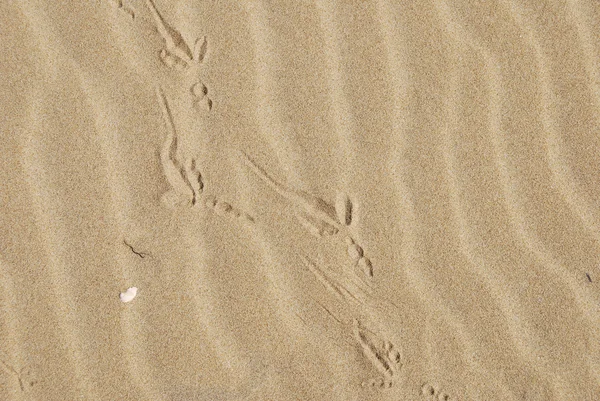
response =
{"points": [[302, 200]]}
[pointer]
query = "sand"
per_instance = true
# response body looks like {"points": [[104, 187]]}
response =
{"points": [[302, 200]]}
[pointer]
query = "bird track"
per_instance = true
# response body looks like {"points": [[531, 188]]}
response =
{"points": [[318, 217]]}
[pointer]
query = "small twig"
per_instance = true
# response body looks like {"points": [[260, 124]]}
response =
{"points": [[588, 277], [140, 254]]}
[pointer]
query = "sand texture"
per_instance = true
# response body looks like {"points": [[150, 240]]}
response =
{"points": [[255, 200]]}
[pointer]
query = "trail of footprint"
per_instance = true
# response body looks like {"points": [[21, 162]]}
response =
{"points": [[354, 297], [344, 209], [356, 254], [383, 354], [317, 216], [225, 209], [200, 99], [433, 393], [322, 219], [313, 211], [193, 178], [177, 53], [186, 179], [182, 190]]}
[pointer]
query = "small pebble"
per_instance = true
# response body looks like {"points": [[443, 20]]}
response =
{"points": [[355, 252], [349, 241], [444, 397]]}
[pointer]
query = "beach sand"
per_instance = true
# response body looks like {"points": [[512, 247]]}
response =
{"points": [[303, 200]]}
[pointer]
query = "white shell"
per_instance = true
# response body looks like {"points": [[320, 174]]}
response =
{"points": [[128, 295]]}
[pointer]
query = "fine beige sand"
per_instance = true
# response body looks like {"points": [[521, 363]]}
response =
{"points": [[300, 200]]}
